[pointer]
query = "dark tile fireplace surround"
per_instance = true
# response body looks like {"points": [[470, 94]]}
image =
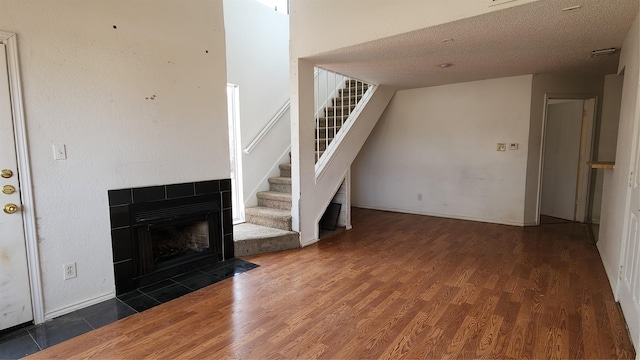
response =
{"points": [[143, 219]]}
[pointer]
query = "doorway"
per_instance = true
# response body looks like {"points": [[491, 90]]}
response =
{"points": [[567, 148]]}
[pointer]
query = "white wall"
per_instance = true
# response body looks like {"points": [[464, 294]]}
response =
{"points": [[140, 104], [608, 135], [616, 181], [612, 97], [257, 39], [580, 85], [342, 198], [441, 142], [357, 21]]}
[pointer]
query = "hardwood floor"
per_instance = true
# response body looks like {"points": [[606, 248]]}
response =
{"points": [[396, 286]]}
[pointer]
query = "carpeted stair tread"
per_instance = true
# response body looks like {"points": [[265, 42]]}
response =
{"points": [[322, 144], [265, 211], [280, 180], [280, 184], [274, 195], [274, 199], [285, 170], [331, 119], [346, 98], [352, 91], [247, 231], [330, 127], [265, 216], [249, 239], [338, 110]]}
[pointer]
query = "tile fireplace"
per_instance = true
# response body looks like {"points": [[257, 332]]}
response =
{"points": [[160, 231]]}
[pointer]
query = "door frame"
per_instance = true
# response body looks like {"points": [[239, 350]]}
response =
{"points": [[588, 151], [24, 171]]}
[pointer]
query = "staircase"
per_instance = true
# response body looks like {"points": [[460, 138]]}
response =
{"points": [[337, 114], [268, 225]]}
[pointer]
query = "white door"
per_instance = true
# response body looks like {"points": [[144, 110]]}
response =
{"points": [[629, 287], [15, 294], [629, 283]]}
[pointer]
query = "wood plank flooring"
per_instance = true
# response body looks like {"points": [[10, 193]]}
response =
{"points": [[396, 286]]}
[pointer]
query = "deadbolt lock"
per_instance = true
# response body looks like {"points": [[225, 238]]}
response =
{"points": [[10, 208], [8, 189], [6, 173]]}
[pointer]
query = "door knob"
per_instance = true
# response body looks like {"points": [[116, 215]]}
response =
{"points": [[10, 208], [6, 173], [8, 189]]}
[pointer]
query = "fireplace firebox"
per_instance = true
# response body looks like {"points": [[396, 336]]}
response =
{"points": [[162, 231]]}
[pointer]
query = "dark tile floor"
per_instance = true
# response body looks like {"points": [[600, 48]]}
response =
{"points": [[33, 338]]}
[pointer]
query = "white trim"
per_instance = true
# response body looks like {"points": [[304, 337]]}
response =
{"points": [[265, 130], [79, 305], [540, 158], [235, 156], [587, 135], [440, 215], [347, 180], [26, 185]]}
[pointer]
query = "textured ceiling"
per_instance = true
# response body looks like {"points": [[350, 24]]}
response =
{"points": [[533, 38]]}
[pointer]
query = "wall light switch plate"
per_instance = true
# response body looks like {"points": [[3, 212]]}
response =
{"points": [[513, 146], [502, 147], [59, 152]]}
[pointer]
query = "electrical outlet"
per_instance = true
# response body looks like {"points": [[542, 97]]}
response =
{"points": [[501, 147], [70, 271]]}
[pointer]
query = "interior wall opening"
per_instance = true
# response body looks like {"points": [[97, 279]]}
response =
{"points": [[567, 150]]}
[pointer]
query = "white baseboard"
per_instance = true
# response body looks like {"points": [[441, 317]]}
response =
{"points": [[77, 306], [448, 216]]}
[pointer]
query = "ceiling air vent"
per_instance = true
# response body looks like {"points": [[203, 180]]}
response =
{"points": [[603, 52], [499, 2]]}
